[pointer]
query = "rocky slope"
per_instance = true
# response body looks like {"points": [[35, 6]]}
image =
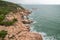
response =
{"points": [[20, 30]]}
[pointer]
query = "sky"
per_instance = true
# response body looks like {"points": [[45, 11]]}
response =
{"points": [[36, 1]]}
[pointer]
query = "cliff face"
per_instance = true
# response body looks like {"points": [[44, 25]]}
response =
{"points": [[20, 30]]}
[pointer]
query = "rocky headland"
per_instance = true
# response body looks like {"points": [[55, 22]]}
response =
{"points": [[19, 30]]}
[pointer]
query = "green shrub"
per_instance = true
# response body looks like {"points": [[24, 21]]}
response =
{"points": [[8, 23], [2, 17], [14, 20], [3, 34]]}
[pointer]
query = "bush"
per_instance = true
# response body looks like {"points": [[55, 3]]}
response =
{"points": [[2, 17], [3, 34], [14, 20], [8, 23]]}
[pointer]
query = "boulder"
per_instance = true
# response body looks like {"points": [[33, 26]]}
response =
{"points": [[26, 21], [30, 36]]}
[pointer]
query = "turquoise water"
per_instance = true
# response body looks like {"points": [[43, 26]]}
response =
{"points": [[46, 20]]}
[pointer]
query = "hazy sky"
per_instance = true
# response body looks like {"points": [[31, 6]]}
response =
{"points": [[36, 1]]}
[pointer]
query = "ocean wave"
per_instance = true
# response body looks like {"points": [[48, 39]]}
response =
{"points": [[43, 34]]}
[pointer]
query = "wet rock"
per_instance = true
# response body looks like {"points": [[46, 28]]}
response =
{"points": [[26, 21]]}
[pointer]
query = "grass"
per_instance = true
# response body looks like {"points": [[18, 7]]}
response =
{"points": [[5, 8]]}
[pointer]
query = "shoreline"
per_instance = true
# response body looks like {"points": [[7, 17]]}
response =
{"points": [[20, 30]]}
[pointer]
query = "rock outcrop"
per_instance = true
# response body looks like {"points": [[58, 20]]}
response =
{"points": [[20, 30]]}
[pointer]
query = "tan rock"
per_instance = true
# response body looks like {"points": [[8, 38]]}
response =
{"points": [[30, 36], [19, 30], [26, 21]]}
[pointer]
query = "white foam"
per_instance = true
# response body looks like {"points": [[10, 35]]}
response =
{"points": [[44, 35], [30, 18], [34, 22]]}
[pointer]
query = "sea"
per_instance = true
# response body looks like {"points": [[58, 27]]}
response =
{"points": [[46, 20]]}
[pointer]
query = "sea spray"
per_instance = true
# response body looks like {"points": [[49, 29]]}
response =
{"points": [[43, 34]]}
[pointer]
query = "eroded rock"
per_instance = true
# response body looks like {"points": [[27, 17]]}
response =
{"points": [[21, 29]]}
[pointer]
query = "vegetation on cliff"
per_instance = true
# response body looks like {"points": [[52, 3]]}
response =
{"points": [[8, 23], [5, 8], [3, 34]]}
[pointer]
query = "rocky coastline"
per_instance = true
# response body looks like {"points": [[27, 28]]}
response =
{"points": [[20, 30]]}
